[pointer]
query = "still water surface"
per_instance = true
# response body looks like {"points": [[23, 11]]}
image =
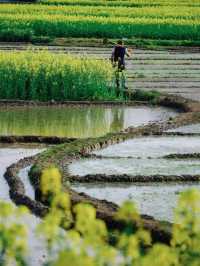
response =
{"points": [[154, 147], [194, 128], [78, 122], [8, 156], [143, 156], [134, 167], [155, 199]]}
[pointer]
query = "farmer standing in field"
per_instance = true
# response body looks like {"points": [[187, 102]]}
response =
{"points": [[118, 60]]}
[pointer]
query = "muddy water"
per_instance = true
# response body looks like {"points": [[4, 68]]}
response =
{"points": [[8, 156], [77, 122], [155, 199]]}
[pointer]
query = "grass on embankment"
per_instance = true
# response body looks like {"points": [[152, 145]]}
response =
{"points": [[45, 76], [148, 96]]}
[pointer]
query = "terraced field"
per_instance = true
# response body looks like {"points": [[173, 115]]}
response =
{"points": [[174, 71], [110, 150]]}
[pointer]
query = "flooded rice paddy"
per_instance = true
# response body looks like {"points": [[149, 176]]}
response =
{"points": [[78, 122], [155, 199], [194, 128], [130, 166], [155, 147], [139, 156], [142, 156], [170, 72], [8, 156]]}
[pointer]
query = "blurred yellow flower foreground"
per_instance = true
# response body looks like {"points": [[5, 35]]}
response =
{"points": [[80, 239]]}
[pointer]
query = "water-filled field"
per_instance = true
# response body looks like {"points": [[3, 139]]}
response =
{"points": [[88, 74], [142, 156], [9, 155], [135, 167], [156, 199], [194, 128], [80, 122], [154, 146]]}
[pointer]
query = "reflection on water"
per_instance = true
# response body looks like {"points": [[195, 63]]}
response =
{"points": [[155, 199], [77, 122]]}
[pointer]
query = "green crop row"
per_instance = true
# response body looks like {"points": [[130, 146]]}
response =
{"points": [[173, 19], [44, 76], [88, 26], [164, 12], [128, 3]]}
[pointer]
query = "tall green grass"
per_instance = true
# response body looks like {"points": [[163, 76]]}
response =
{"points": [[45, 76]]}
